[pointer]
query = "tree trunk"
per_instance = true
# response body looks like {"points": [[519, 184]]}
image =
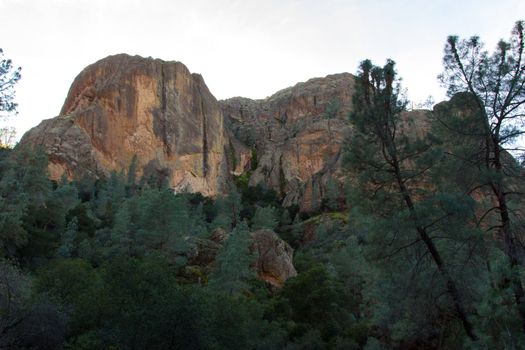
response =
{"points": [[508, 237], [431, 247]]}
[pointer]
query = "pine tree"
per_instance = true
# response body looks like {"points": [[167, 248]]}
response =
{"points": [[123, 238], [131, 185], [9, 76], [164, 221], [154, 220], [285, 218], [13, 206], [391, 167], [110, 197], [68, 239], [44, 217], [228, 210], [495, 88], [234, 262], [264, 218]]}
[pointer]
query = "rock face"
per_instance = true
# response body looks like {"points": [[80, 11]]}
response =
{"points": [[122, 107], [274, 258], [297, 136]]}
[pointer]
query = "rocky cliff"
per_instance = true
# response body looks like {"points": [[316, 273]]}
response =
{"points": [[123, 106], [296, 136]]}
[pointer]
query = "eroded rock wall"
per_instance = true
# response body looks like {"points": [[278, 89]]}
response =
{"points": [[124, 106], [297, 135]]}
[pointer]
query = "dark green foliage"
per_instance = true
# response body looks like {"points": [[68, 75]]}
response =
{"points": [[317, 304], [296, 231], [154, 220], [131, 185], [494, 86], [34, 211], [76, 286], [331, 199], [27, 321], [285, 218], [406, 225], [230, 153], [312, 296], [13, 205], [137, 304], [68, 238], [110, 194], [254, 161], [242, 181], [200, 207], [254, 197], [86, 220], [234, 262], [109, 256], [261, 196], [264, 217], [293, 210], [311, 340], [228, 210], [291, 232]]}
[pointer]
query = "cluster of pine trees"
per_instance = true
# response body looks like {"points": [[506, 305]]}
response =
{"points": [[426, 253]]}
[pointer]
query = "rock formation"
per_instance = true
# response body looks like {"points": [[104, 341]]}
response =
{"points": [[121, 107], [274, 258], [297, 136]]}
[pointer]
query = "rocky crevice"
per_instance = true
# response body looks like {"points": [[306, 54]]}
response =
{"points": [[204, 143], [162, 114]]}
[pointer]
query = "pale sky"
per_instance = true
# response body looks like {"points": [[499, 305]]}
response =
{"points": [[241, 47]]}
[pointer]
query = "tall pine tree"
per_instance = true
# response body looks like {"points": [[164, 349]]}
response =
{"points": [[391, 168], [495, 87]]}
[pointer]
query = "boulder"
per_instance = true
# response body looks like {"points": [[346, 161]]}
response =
{"points": [[274, 263]]}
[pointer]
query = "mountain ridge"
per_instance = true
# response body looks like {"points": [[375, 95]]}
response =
{"points": [[123, 106]]}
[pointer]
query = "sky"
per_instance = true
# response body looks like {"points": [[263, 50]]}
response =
{"points": [[241, 47]]}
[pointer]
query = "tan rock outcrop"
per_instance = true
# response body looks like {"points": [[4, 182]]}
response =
{"points": [[297, 135], [274, 258], [124, 106]]}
